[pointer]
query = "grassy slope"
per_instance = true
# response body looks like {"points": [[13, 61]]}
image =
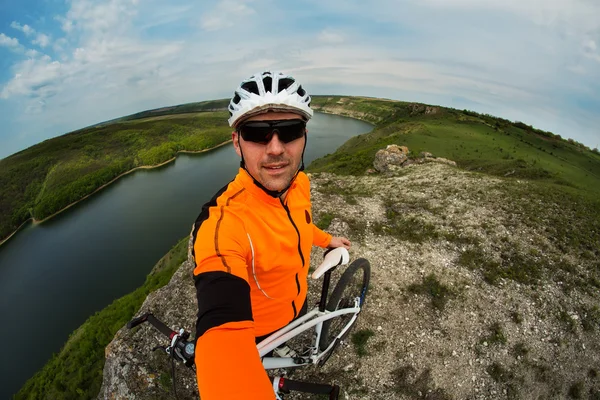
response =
{"points": [[41, 180], [76, 371], [499, 148]]}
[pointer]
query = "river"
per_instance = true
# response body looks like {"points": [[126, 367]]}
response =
{"points": [[54, 275]]}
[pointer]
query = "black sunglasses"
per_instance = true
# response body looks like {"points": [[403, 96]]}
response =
{"points": [[261, 132]]}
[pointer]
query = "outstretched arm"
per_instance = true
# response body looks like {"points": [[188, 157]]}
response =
{"points": [[228, 364]]}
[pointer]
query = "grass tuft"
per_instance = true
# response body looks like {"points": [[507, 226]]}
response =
{"points": [[325, 220], [359, 340], [496, 335], [431, 286]]}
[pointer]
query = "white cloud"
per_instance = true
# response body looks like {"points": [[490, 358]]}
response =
{"points": [[26, 29], [590, 45], [226, 14], [41, 40], [7, 41], [59, 44], [577, 15], [115, 59], [65, 24], [37, 78], [32, 53], [330, 37], [94, 17], [577, 69]]}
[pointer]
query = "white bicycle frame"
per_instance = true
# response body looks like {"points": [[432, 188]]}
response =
{"points": [[314, 318]]}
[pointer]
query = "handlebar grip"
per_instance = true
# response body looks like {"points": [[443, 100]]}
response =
{"points": [[165, 330], [160, 326], [136, 321], [335, 393], [308, 387]]}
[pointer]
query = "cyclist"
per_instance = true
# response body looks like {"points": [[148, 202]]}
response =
{"points": [[252, 241]]}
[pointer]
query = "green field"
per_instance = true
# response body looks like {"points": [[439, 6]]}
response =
{"points": [[45, 178]]}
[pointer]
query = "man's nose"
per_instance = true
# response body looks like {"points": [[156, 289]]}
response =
{"points": [[275, 146]]}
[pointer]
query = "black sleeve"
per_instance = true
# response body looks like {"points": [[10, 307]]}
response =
{"points": [[222, 298]]}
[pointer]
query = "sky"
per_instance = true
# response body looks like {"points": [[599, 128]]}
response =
{"points": [[67, 64]]}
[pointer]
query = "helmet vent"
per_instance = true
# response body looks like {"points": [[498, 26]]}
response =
{"points": [[268, 83], [284, 84], [251, 87], [301, 91], [236, 99]]}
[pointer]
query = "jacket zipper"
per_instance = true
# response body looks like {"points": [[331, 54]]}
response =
{"points": [[287, 210]]}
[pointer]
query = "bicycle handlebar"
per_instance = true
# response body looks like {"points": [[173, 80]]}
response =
{"points": [[165, 330], [179, 347], [184, 350]]}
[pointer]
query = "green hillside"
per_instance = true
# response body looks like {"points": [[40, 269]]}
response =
{"points": [[476, 142], [45, 178]]}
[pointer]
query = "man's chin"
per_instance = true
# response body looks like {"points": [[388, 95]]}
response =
{"points": [[276, 185]]}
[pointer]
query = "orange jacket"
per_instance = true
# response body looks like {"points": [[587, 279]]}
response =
{"points": [[252, 254]]}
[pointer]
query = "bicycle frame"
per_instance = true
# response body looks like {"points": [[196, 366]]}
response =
{"points": [[314, 318]]}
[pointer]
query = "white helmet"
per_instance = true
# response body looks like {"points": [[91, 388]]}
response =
{"points": [[268, 91]]}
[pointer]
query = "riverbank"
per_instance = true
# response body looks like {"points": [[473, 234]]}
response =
{"points": [[50, 176], [36, 222]]}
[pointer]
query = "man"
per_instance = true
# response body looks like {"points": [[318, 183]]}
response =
{"points": [[252, 241]]}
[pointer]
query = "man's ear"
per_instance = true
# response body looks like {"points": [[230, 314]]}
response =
{"points": [[235, 137]]}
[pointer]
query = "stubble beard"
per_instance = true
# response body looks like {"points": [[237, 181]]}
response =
{"points": [[278, 183]]}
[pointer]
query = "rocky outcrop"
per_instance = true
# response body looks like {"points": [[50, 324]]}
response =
{"points": [[416, 108], [390, 157], [393, 157], [472, 295]]}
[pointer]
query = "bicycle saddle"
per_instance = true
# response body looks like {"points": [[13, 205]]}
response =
{"points": [[333, 258]]}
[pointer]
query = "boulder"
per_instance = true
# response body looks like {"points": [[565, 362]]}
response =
{"points": [[392, 155]]}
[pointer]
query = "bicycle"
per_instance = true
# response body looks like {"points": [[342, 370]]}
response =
{"points": [[332, 320]]}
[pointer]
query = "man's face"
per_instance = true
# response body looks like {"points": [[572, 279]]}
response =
{"points": [[273, 164]]}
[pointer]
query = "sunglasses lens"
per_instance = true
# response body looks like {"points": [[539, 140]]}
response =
{"points": [[262, 131]]}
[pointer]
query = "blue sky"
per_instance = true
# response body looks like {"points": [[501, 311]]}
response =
{"points": [[68, 64]]}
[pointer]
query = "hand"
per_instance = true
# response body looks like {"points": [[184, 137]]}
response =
{"points": [[338, 241]]}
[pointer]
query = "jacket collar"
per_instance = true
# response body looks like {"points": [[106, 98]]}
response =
{"points": [[248, 183]]}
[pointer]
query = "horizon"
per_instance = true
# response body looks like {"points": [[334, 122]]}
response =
{"points": [[67, 65]]}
